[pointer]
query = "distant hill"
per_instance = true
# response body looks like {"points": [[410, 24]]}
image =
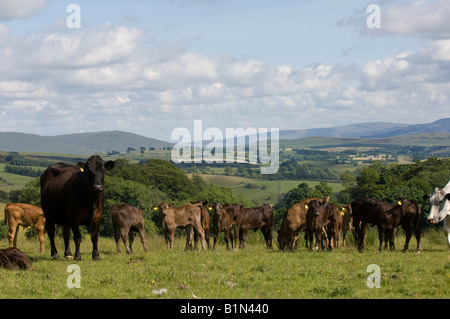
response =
{"points": [[79, 143], [370, 130]]}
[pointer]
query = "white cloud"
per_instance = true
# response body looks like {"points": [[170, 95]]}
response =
{"points": [[109, 77], [20, 9]]}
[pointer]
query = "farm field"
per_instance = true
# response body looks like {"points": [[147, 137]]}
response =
{"points": [[253, 273], [261, 191]]}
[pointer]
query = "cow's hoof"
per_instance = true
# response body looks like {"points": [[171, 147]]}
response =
{"points": [[55, 256], [69, 257]]}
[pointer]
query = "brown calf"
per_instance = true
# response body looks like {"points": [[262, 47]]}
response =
{"points": [[206, 224], [293, 223], [323, 215], [255, 218], [24, 215], [126, 220], [224, 218], [186, 216], [347, 217]]}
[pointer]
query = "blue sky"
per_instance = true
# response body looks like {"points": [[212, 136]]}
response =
{"points": [[149, 67]]}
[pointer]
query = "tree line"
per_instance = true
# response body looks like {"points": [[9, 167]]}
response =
{"points": [[145, 184]]}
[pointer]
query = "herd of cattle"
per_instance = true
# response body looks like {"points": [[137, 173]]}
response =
{"points": [[73, 195]]}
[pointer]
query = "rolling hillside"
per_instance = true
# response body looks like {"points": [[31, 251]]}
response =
{"points": [[79, 143]]}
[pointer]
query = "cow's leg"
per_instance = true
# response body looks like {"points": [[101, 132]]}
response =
{"points": [[117, 234], [95, 227], [417, 232], [142, 236], [189, 235], [124, 235], [77, 239], [242, 237], [408, 232], [226, 237], [12, 235], [198, 227], [381, 237], [66, 236], [265, 232], [391, 233], [40, 231], [196, 238], [51, 235], [131, 240], [216, 237]]}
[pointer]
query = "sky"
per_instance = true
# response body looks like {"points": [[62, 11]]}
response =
{"points": [[149, 67]]}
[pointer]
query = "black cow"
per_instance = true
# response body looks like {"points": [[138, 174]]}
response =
{"points": [[387, 216], [73, 195]]}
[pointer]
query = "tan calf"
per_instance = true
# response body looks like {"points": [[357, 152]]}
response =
{"points": [[24, 215]]}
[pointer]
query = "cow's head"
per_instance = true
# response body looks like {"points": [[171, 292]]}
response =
{"points": [[94, 169], [407, 206], [346, 210], [217, 207], [437, 200], [312, 208], [164, 209]]}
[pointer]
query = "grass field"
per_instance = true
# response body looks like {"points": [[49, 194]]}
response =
{"points": [[262, 191], [251, 273]]}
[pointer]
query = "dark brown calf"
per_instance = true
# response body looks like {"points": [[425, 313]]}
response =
{"points": [[224, 218], [386, 216], [347, 217], [13, 258], [126, 220], [255, 218], [324, 216]]}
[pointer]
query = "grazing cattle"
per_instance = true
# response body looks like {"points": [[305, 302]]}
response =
{"points": [[440, 210], [206, 224], [126, 220], [293, 223], [224, 218], [385, 216], [347, 217], [187, 217], [323, 215], [255, 218], [24, 215], [13, 258], [72, 196]]}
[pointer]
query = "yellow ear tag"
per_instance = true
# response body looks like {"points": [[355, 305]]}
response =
{"points": [[306, 206], [155, 208], [342, 213], [399, 202], [209, 208], [81, 169], [140, 211]]}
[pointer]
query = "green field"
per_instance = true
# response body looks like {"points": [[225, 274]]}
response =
{"points": [[261, 191], [251, 273]]}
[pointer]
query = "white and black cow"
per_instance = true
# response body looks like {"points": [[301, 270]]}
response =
{"points": [[440, 208]]}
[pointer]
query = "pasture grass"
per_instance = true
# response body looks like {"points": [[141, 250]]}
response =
{"points": [[253, 273]]}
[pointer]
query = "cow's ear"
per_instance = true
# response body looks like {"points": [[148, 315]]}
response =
{"points": [[447, 196], [426, 196], [109, 165], [81, 166], [326, 199]]}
